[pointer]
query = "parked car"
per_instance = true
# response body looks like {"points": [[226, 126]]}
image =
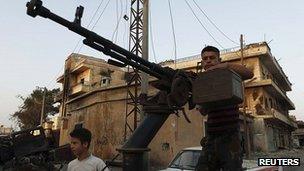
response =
{"points": [[187, 159]]}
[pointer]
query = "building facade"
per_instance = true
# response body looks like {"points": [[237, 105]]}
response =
{"points": [[265, 95], [94, 96], [5, 130], [298, 134]]}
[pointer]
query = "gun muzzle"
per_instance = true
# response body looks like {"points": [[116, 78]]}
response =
{"points": [[34, 8]]}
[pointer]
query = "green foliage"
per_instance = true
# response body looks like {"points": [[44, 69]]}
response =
{"points": [[28, 114]]}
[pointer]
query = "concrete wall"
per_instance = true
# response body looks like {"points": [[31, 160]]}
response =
{"points": [[5, 130], [254, 65], [259, 135], [278, 135], [178, 134], [83, 75], [103, 112], [255, 101], [271, 140], [93, 74]]}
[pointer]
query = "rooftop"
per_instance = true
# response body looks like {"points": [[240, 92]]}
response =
{"points": [[233, 54]]}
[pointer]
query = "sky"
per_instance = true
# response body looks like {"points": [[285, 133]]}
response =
{"points": [[33, 50]]}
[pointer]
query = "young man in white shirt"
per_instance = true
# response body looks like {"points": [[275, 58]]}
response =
{"points": [[85, 161]]}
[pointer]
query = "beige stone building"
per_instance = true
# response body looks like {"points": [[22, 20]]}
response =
{"points": [[298, 134], [267, 100], [94, 96], [52, 128], [265, 96], [5, 130]]}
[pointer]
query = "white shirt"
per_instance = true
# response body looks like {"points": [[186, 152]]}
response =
{"points": [[91, 163]]}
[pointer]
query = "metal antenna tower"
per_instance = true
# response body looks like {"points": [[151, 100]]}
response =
{"points": [[134, 80]]}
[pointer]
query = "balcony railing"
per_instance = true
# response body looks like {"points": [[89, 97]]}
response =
{"points": [[80, 67], [80, 88], [273, 88], [278, 115], [299, 131]]}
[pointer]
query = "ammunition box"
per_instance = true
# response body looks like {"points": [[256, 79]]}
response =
{"points": [[217, 88]]}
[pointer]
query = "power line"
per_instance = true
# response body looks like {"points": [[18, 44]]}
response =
{"points": [[91, 20], [205, 14], [151, 32], [126, 9], [117, 20], [54, 78], [125, 24], [95, 13], [121, 14], [203, 25], [96, 22], [119, 17], [173, 32], [100, 15], [79, 40]]}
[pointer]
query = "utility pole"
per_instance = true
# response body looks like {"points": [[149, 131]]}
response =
{"points": [[242, 52], [246, 132], [145, 51], [66, 85], [43, 106]]}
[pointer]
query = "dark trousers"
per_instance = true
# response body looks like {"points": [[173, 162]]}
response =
{"points": [[221, 151]]}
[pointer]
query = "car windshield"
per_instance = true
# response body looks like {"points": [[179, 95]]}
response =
{"points": [[186, 159]]}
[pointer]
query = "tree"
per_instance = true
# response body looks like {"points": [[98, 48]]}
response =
{"points": [[28, 114]]}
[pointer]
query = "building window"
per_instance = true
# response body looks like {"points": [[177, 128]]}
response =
{"points": [[268, 76], [266, 104], [263, 73], [82, 81], [78, 126], [105, 81], [165, 146], [270, 102]]}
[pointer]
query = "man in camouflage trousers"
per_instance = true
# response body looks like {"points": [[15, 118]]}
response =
{"points": [[222, 146]]}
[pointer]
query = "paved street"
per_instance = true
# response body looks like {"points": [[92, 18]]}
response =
{"points": [[294, 153]]}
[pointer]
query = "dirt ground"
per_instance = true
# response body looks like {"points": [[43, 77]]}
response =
{"points": [[292, 153]]}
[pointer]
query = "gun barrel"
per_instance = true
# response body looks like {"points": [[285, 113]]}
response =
{"points": [[122, 59], [109, 47]]}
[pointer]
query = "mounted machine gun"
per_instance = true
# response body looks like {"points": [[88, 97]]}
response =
{"points": [[177, 87]]}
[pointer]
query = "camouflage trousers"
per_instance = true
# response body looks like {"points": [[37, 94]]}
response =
{"points": [[221, 152]]}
